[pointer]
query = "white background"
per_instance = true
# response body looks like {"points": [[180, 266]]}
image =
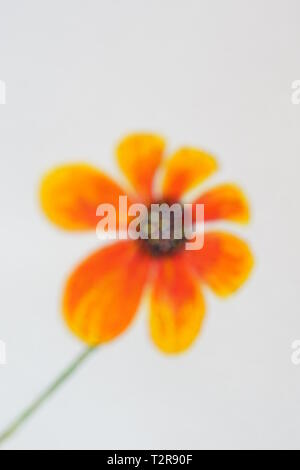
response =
{"points": [[209, 73]]}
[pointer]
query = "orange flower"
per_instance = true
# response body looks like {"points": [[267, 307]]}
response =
{"points": [[103, 294]]}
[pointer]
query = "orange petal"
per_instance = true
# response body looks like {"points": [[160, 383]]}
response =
{"points": [[139, 156], [186, 169], [70, 195], [224, 263], [177, 306], [103, 294], [225, 202]]}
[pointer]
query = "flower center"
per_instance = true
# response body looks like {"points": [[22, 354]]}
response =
{"points": [[162, 232]]}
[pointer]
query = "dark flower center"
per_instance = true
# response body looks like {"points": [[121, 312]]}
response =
{"points": [[162, 232]]}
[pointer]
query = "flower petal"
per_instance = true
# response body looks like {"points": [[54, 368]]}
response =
{"points": [[224, 263], [70, 195], [225, 202], [187, 168], [103, 294], [139, 156], [177, 306]]}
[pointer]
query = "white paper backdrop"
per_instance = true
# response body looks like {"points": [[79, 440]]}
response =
{"points": [[80, 74]]}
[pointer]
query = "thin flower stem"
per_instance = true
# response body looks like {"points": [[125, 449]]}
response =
{"points": [[28, 412]]}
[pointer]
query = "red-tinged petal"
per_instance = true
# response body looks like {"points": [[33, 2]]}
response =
{"points": [[70, 195], [177, 306], [224, 263], [104, 292], [187, 168], [139, 156], [225, 202]]}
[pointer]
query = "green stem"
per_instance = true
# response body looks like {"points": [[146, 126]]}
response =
{"points": [[28, 412]]}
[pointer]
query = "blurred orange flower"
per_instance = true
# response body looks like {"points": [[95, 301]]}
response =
{"points": [[102, 295]]}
